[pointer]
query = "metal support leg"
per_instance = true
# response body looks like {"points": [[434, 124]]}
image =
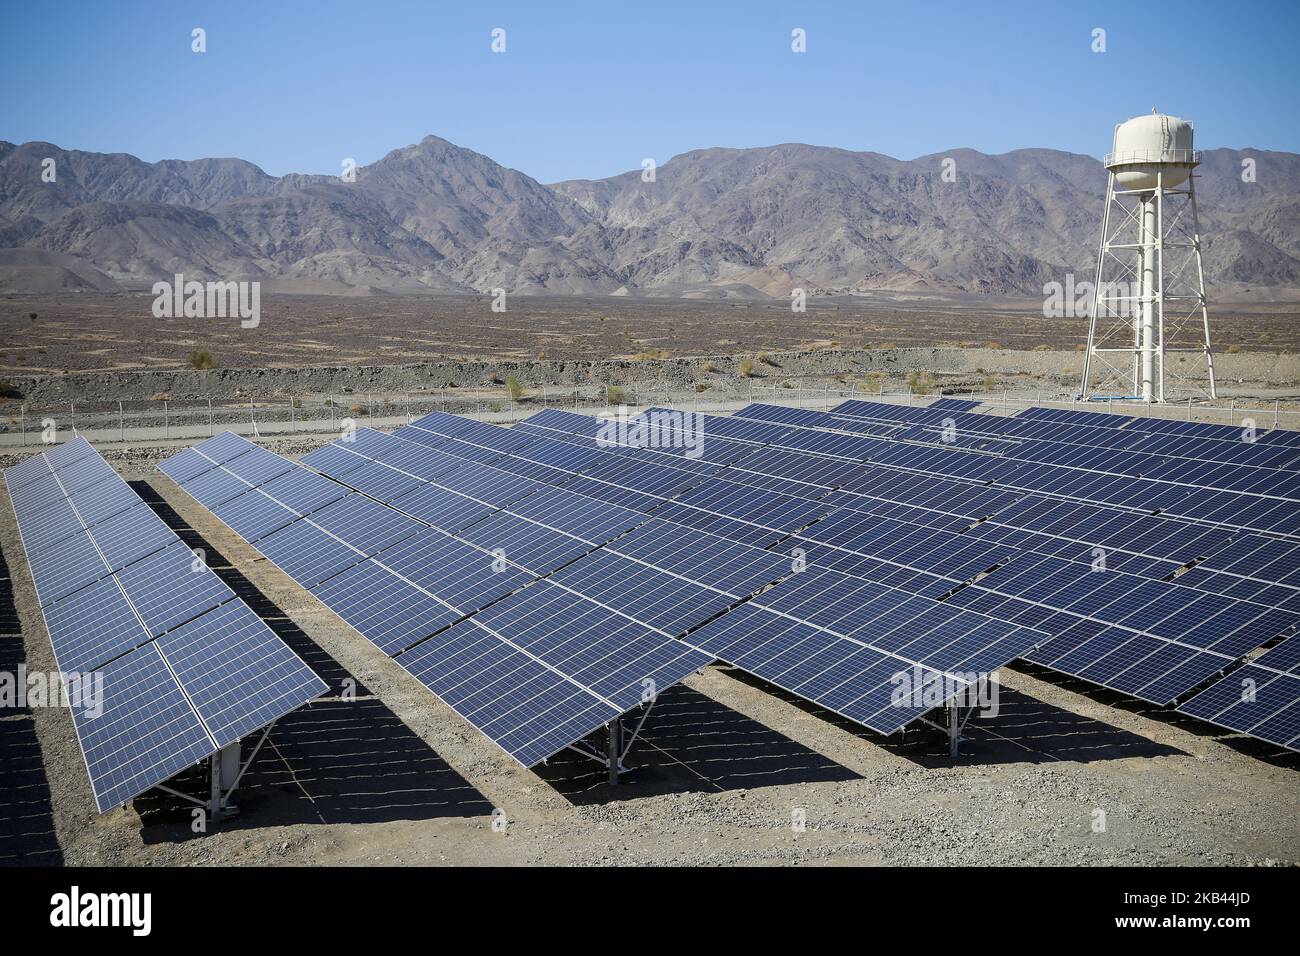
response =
{"points": [[954, 729], [614, 750], [214, 802]]}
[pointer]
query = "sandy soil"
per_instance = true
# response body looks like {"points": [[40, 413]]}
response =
{"points": [[395, 777]]}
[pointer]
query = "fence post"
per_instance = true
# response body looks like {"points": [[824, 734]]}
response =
{"points": [[72, 406], [211, 429], [293, 418], [22, 421], [1275, 407], [330, 401], [167, 422], [1232, 411], [121, 423], [1189, 409]]}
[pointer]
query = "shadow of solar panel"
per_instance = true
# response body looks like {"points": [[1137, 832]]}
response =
{"points": [[384, 609], [239, 676], [171, 587], [146, 733]]}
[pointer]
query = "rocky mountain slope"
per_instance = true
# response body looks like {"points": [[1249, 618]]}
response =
{"points": [[433, 217]]}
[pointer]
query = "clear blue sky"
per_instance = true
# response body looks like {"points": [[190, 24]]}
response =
{"points": [[589, 89]]}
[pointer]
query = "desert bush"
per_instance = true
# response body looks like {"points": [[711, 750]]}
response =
{"points": [[514, 389], [617, 395], [920, 383], [1234, 349], [746, 368], [202, 359], [8, 389]]}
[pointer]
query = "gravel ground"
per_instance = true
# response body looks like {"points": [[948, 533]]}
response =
{"points": [[723, 764]]}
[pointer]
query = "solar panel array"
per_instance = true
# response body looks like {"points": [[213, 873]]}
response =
{"points": [[534, 665], [1156, 559], [616, 572], [187, 668], [1173, 599]]}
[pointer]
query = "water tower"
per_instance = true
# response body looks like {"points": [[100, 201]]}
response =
{"points": [[1149, 329]]}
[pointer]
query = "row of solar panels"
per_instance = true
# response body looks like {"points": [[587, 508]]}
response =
{"points": [[1116, 629], [603, 595], [1158, 640], [186, 667]]}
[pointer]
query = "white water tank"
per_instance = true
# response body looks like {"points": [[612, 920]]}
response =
{"points": [[1149, 144]]}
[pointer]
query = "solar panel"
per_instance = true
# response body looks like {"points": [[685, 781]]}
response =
{"points": [[408, 590], [849, 645], [120, 592], [389, 612], [237, 674], [92, 626], [529, 710], [171, 587], [147, 731], [1261, 698]]}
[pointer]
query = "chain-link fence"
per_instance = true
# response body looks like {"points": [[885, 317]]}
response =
{"points": [[138, 422]]}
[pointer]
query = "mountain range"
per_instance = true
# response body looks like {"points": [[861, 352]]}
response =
{"points": [[746, 223]]}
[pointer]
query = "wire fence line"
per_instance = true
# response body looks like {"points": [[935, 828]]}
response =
{"points": [[142, 421]]}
